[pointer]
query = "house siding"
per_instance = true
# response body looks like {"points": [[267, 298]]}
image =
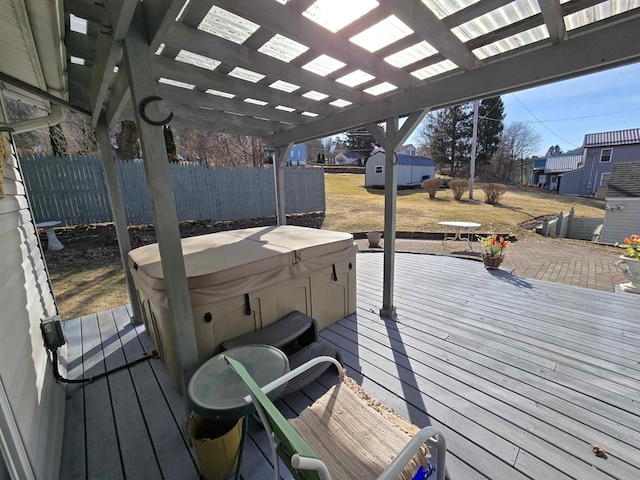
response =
{"points": [[620, 223], [570, 182], [593, 169], [35, 399]]}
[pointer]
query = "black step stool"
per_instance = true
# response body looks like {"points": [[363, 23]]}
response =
{"points": [[297, 336]]}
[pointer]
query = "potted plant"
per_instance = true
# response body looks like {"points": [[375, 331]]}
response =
{"points": [[629, 263], [494, 248]]}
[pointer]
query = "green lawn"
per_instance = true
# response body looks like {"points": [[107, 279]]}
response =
{"points": [[353, 208], [89, 281]]}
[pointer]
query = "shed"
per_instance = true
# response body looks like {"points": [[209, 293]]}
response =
{"points": [[412, 170], [622, 216]]}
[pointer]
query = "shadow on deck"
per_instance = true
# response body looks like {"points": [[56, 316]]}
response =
{"points": [[521, 375]]}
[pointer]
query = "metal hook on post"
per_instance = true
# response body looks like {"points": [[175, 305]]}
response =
{"points": [[143, 107]]}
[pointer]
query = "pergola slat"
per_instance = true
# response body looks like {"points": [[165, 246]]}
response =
{"points": [[203, 43], [553, 19], [424, 22], [508, 73], [207, 79], [272, 15]]}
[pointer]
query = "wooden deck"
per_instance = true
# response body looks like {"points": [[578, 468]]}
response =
{"points": [[521, 375]]}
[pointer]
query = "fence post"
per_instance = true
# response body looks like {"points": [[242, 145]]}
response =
{"points": [[545, 228], [559, 225], [572, 213]]}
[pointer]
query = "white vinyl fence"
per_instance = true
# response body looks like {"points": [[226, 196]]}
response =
{"points": [[72, 189]]}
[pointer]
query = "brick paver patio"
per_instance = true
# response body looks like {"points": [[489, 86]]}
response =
{"points": [[556, 260]]}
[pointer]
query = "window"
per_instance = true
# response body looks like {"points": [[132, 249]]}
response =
{"points": [[604, 179], [605, 154], [378, 168]]}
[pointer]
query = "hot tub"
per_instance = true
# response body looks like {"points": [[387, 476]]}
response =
{"points": [[241, 281]]}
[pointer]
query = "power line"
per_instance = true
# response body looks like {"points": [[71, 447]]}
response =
{"points": [[563, 119], [541, 122]]}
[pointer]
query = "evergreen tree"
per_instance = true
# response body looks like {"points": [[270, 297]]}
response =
{"points": [[170, 143], [360, 142], [554, 150], [127, 140], [450, 132], [490, 127], [58, 140]]}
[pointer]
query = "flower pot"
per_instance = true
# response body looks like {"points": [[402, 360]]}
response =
{"points": [[630, 268], [374, 239], [491, 262]]}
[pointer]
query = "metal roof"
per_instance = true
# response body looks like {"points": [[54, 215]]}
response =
{"points": [[562, 163], [624, 181], [415, 160], [606, 139], [293, 70]]}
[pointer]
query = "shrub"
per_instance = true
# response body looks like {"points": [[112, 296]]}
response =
{"points": [[493, 192], [431, 185], [458, 186]]}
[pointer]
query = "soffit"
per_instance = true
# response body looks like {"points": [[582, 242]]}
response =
{"points": [[299, 69]]}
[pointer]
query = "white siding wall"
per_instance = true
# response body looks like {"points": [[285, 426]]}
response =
{"points": [[619, 224], [36, 401]]}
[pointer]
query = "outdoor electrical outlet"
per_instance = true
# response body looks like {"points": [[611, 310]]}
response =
{"points": [[52, 332]]}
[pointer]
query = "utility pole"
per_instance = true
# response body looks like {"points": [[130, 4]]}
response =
{"points": [[474, 144]]}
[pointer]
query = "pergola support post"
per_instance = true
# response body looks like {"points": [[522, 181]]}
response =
{"points": [[390, 140], [137, 57], [279, 161], [119, 216]]}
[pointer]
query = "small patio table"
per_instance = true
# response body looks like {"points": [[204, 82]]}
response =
{"points": [[218, 393], [54, 244], [458, 226]]}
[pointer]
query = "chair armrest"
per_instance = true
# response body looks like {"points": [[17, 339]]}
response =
{"points": [[278, 382], [406, 454], [306, 463]]}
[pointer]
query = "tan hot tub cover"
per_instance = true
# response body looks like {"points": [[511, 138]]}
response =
{"points": [[224, 264]]}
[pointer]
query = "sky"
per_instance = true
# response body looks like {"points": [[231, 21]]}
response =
{"points": [[563, 112]]}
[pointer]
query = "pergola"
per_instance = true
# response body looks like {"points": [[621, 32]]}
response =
{"points": [[290, 71]]}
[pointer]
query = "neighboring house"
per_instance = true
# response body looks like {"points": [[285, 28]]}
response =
{"points": [[409, 149], [557, 165], [622, 216], [298, 155], [412, 170], [601, 151], [538, 178]]}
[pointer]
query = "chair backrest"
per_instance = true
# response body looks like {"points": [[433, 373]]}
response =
{"points": [[290, 440]]}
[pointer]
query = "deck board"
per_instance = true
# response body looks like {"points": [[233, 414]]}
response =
{"points": [[521, 375]]}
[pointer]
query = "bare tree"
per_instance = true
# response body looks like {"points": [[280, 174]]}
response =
{"points": [[519, 140]]}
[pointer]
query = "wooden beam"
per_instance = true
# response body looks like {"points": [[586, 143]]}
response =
{"points": [[205, 79], [115, 23], [553, 19], [194, 98], [473, 11], [409, 126], [424, 22], [388, 310], [119, 97], [119, 216], [587, 50], [203, 43], [79, 74], [91, 11], [279, 19], [378, 133], [160, 16], [221, 118], [279, 161], [80, 45], [137, 57]]}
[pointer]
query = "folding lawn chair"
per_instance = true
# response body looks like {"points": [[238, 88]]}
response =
{"points": [[354, 440]]}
